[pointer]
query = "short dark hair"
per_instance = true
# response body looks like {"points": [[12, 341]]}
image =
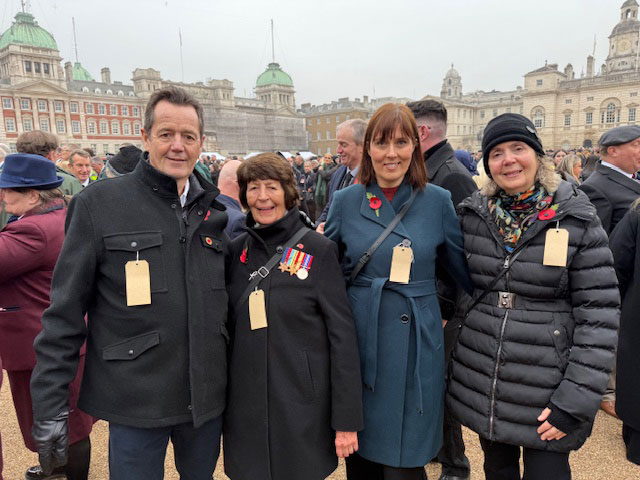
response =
{"points": [[268, 166], [429, 109], [80, 152], [37, 142], [176, 96], [383, 124]]}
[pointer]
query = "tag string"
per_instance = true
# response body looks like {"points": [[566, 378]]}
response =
{"points": [[557, 225], [137, 257]]}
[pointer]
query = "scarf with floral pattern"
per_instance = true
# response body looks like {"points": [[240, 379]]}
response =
{"points": [[513, 214]]}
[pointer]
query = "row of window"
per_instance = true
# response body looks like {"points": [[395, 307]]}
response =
{"points": [[611, 114], [328, 119], [92, 126], [97, 91], [113, 110], [58, 107], [36, 67]]}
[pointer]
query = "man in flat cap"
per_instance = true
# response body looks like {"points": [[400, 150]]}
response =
{"points": [[612, 187]]}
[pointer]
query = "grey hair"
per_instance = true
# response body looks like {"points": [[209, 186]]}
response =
{"points": [[567, 163], [545, 175], [358, 128], [80, 153]]}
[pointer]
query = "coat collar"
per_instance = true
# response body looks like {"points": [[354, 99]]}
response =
{"points": [[164, 185], [436, 157], [611, 174], [387, 210], [280, 231]]}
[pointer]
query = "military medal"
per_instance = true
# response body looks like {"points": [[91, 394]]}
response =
{"points": [[296, 263]]}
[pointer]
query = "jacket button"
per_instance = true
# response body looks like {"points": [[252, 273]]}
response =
{"points": [[134, 244], [189, 407], [183, 239], [173, 205], [556, 332], [200, 212], [404, 318], [130, 352], [279, 249], [155, 188]]}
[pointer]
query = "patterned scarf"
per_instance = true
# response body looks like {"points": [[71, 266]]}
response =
{"points": [[513, 214]]}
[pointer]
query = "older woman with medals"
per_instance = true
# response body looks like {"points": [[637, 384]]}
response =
{"points": [[537, 342], [391, 229], [294, 401]]}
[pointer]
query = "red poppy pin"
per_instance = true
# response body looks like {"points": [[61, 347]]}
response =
{"points": [[207, 216], [243, 256], [547, 214], [374, 203], [300, 246]]}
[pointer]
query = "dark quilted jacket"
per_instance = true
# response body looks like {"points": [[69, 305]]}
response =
{"points": [[555, 347]]}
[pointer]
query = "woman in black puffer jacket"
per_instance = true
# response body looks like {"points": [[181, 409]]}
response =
{"points": [[535, 351]]}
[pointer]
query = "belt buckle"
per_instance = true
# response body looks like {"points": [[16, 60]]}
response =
{"points": [[506, 300]]}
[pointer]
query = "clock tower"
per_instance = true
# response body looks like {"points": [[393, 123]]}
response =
{"points": [[623, 41]]}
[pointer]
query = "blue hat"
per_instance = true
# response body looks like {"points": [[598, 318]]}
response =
{"points": [[25, 170]]}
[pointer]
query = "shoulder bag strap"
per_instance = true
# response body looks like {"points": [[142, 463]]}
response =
{"points": [[493, 283], [367, 255], [257, 276]]}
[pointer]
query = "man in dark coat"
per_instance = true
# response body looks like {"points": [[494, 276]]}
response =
{"points": [[612, 188], [624, 243], [143, 259], [350, 137], [444, 170]]}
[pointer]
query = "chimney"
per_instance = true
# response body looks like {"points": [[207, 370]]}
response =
{"points": [[365, 99], [68, 71], [106, 75], [568, 71], [590, 66]]}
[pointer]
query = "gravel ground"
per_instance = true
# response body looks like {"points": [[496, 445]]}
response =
{"points": [[602, 457]]}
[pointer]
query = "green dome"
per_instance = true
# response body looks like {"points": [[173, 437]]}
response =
{"points": [[26, 31], [80, 73], [274, 75]]}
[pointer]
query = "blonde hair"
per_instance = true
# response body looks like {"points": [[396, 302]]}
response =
{"points": [[545, 175], [567, 163]]}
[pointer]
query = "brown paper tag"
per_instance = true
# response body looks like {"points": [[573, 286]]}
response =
{"points": [[556, 247], [257, 310], [401, 264], [138, 283]]}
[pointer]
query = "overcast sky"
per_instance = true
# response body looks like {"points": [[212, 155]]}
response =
{"points": [[331, 48]]}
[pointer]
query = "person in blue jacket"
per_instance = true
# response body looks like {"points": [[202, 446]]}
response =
{"points": [[398, 324]]}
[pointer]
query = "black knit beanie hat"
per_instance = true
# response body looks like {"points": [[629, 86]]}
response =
{"points": [[509, 127]]}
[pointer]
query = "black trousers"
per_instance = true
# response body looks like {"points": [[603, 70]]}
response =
{"points": [[451, 456], [359, 468], [502, 462], [631, 439]]}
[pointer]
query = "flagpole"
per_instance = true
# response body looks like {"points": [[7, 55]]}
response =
{"points": [[181, 59]]}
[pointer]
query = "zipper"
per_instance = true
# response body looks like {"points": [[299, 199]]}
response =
{"points": [[492, 404]]}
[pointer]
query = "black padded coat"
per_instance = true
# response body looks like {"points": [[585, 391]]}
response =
{"points": [[554, 347]]}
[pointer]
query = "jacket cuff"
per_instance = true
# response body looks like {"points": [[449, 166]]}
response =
{"points": [[562, 420]]}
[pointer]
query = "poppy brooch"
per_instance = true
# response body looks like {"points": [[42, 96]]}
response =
{"points": [[374, 203]]}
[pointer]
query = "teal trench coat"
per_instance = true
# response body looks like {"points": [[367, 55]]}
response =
{"points": [[399, 326]]}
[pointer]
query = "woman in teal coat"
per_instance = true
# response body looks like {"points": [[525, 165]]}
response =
{"points": [[398, 323]]}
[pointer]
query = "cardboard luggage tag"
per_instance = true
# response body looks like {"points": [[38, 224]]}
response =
{"points": [[401, 263], [257, 310], [138, 282], [556, 247]]}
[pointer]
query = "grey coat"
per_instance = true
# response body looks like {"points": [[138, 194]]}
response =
{"points": [[151, 365], [554, 348]]}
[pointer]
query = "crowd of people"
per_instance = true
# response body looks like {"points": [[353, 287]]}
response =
{"points": [[361, 306]]}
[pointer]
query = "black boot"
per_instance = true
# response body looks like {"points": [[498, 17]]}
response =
{"points": [[36, 473], [77, 467]]}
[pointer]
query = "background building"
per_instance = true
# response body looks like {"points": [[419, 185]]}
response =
{"points": [[37, 93]]}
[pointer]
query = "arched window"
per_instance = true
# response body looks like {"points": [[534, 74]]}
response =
{"points": [[131, 94], [85, 89], [109, 92], [538, 117], [611, 114], [97, 91], [120, 93]]}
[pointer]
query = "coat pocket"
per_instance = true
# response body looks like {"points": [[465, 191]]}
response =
{"points": [[304, 372], [125, 247], [559, 336], [131, 348]]}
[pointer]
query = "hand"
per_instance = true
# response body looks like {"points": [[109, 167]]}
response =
{"points": [[548, 431], [52, 441], [320, 228], [444, 323], [346, 443]]}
